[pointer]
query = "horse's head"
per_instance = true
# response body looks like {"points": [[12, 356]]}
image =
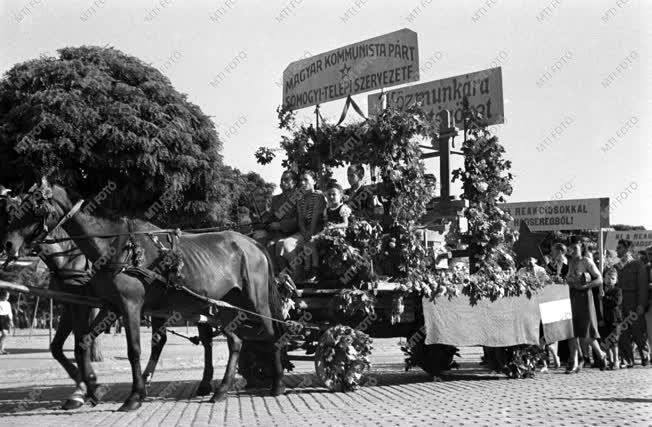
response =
{"points": [[27, 218]]}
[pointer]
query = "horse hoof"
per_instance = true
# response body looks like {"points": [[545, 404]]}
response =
{"points": [[204, 389], [71, 404], [218, 397], [278, 390], [130, 405]]}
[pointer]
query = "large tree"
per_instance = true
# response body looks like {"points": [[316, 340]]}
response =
{"points": [[103, 122]]}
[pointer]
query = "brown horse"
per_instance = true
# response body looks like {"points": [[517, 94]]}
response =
{"points": [[223, 266], [70, 272]]}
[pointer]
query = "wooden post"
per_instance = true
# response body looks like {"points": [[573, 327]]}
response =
{"points": [[31, 327], [447, 132], [444, 168], [601, 250]]}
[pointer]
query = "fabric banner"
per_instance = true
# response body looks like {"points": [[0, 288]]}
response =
{"points": [[502, 323], [556, 313]]}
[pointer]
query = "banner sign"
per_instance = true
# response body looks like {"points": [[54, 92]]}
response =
{"points": [[550, 215], [484, 90], [642, 239], [384, 61], [501, 323]]}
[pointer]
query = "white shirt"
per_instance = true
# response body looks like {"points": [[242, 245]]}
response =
{"points": [[5, 309]]}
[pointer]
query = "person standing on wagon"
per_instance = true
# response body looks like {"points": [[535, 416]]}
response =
{"points": [[310, 208], [6, 319], [359, 197]]}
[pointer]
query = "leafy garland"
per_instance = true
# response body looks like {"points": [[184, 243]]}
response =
{"points": [[341, 358], [347, 255], [522, 361], [486, 181], [352, 305], [396, 155]]}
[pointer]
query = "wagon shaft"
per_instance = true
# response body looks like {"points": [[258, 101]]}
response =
{"points": [[49, 293]]}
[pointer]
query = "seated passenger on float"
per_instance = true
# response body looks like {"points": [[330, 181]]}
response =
{"points": [[311, 207], [281, 224]]}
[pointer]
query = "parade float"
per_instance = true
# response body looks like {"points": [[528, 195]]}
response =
{"points": [[387, 273]]}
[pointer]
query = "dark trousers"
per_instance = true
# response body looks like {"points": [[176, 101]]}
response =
{"points": [[632, 331]]}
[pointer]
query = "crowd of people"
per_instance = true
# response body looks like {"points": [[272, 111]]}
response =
{"points": [[610, 308]]}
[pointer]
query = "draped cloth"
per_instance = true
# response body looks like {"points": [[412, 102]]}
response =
{"points": [[502, 323]]}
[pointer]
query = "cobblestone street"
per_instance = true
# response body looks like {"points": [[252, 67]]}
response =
{"points": [[32, 387]]}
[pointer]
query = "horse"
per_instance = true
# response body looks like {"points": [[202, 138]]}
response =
{"points": [[219, 266], [70, 272]]}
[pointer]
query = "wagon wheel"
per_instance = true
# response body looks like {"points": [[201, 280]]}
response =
{"points": [[433, 359]]}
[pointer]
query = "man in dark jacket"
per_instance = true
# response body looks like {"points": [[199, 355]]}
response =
{"points": [[633, 280]]}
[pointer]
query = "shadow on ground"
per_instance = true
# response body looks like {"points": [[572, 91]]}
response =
{"points": [[35, 400], [606, 399]]}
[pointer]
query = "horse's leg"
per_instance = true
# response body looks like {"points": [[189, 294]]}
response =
{"points": [[235, 345], [278, 388], [56, 348], [159, 338], [131, 315], [206, 336], [84, 337]]}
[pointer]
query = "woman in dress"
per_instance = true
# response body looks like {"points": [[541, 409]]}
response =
{"points": [[583, 276]]}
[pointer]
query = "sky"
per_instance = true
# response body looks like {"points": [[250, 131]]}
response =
{"points": [[556, 58]]}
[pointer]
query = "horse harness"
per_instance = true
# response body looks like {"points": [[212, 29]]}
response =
{"points": [[134, 257]]}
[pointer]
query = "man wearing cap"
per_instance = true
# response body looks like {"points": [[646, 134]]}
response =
{"points": [[633, 280]]}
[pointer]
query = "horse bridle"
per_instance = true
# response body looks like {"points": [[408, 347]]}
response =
{"points": [[41, 232]]}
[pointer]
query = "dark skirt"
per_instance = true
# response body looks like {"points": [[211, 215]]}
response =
{"points": [[585, 321], [4, 323]]}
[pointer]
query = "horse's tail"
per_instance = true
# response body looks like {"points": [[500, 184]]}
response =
{"points": [[274, 295]]}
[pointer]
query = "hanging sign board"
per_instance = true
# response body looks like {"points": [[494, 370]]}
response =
{"points": [[550, 215], [641, 239], [484, 90], [384, 61]]}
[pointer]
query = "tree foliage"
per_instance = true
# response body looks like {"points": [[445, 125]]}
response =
{"points": [[95, 118]]}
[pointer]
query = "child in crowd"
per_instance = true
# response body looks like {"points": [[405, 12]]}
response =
{"points": [[6, 319], [310, 207], [613, 315]]}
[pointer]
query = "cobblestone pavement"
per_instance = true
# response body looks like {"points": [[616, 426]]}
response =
{"points": [[32, 387]]}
